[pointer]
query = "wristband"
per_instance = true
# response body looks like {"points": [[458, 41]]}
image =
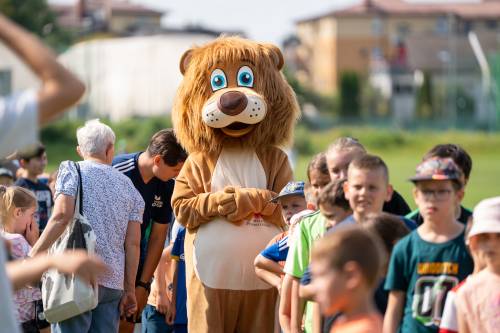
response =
{"points": [[145, 285]]}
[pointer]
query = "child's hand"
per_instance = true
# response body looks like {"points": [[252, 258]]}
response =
{"points": [[162, 303], [32, 233], [170, 315]]}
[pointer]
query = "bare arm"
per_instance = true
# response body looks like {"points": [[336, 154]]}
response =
{"points": [[297, 309], [306, 292], [161, 280], [268, 271], [64, 208], [60, 89], [29, 271], [285, 304], [128, 302], [394, 312]]}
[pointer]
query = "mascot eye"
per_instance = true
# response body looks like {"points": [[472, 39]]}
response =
{"points": [[218, 80], [245, 77]]}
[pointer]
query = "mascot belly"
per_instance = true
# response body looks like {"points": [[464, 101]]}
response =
{"points": [[233, 112]]}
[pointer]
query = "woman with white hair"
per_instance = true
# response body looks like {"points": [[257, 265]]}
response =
{"points": [[114, 208]]}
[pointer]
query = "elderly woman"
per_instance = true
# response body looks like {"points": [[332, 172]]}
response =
{"points": [[114, 208]]}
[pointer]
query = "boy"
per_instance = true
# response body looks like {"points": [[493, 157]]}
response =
{"points": [[478, 301], [152, 173], [332, 202], [179, 294], [367, 187], [34, 162], [432, 259], [269, 263], [346, 266], [464, 162]]}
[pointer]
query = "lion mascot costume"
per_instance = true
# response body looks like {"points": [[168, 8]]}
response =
{"points": [[233, 111]]}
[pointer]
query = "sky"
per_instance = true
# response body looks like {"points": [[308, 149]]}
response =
{"points": [[262, 20]]}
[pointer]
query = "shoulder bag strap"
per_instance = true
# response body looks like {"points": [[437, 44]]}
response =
{"points": [[79, 199]]}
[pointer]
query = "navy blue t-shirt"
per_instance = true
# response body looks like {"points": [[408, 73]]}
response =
{"points": [[181, 295], [156, 195], [43, 197]]}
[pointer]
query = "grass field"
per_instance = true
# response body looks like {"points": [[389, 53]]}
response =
{"points": [[403, 151]]}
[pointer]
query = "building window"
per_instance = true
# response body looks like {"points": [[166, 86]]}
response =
{"points": [[442, 25], [5, 82], [377, 26]]}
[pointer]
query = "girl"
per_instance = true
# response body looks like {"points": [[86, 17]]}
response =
{"points": [[18, 208]]}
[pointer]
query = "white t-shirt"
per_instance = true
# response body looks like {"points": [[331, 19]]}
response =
{"points": [[7, 319], [18, 121]]}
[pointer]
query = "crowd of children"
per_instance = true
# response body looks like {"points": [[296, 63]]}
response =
{"points": [[353, 258]]}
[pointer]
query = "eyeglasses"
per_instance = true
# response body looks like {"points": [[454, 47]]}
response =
{"points": [[439, 195]]}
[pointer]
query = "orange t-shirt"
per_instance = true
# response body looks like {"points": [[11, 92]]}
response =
{"points": [[370, 323]]}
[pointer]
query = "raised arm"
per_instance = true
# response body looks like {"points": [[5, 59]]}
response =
{"points": [[60, 88]]}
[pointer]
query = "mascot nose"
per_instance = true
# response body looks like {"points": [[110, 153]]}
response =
{"points": [[232, 103]]}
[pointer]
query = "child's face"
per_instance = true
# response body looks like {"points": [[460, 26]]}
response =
{"points": [[333, 214], [318, 181], [292, 205], [36, 165], [22, 218], [367, 190], [488, 249], [330, 287], [436, 199], [338, 162]]}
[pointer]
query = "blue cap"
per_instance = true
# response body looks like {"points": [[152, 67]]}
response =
{"points": [[292, 188]]}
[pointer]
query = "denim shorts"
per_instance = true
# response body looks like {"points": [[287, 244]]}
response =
{"points": [[104, 318], [154, 322]]}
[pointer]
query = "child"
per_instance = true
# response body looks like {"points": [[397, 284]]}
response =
{"points": [[17, 211], [6, 177], [179, 296], [317, 173], [338, 157], [346, 266], [367, 187], [464, 162], [478, 300], [34, 162], [432, 259], [449, 320], [269, 263]]}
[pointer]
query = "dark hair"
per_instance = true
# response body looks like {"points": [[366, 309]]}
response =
{"points": [[333, 193], [388, 227], [165, 144], [352, 243], [34, 151], [318, 162], [461, 158], [370, 162]]}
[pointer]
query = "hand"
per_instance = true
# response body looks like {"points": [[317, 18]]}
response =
{"points": [[78, 262], [141, 295], [226, 201], [32, 233], [170, 315], [162, 303], [128, 304]]}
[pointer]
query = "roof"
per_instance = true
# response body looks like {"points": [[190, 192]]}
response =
{"points": [[467, 10], [124, 7]]}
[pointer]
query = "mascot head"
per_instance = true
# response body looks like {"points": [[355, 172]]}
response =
{"points": [[233, 93]]}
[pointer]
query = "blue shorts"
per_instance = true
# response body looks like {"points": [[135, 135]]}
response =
{"points": [[154, 322]]}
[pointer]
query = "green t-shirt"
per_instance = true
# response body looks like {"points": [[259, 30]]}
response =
{"points": [[426, 272], [311, 228]]}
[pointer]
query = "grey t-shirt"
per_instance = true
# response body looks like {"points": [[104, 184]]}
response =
{"points": [[110, 201], [18, 121]]}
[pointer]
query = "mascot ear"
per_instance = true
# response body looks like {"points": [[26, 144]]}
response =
{"points": [[185, 59], [276, 55]]}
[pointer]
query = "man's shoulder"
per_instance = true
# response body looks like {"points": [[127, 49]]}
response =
{"points": [[125, 162]]}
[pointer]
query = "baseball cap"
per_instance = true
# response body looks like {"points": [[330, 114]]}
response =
{"points": [[437, 169], [6, 173], [486, 217], [292, 188]]}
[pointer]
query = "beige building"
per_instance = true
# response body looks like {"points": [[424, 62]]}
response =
{"points": [[357, 37]]}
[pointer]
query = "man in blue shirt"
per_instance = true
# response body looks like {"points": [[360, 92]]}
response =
{"points": [[152, 174]]}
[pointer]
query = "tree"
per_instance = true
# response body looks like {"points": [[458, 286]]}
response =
{"points": [[36, 16], [350, 95]]}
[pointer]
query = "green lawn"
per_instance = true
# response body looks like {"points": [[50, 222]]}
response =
{"points": [[403, 151]]}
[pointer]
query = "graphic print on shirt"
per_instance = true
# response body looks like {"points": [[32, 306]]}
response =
{"points": [[430, 292]]}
